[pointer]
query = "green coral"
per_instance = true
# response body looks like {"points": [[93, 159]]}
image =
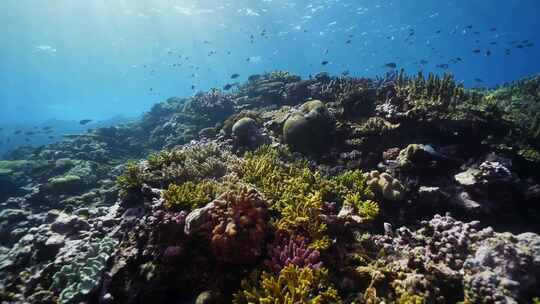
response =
{"points": [[194, 162], [353, 182], [229, 122], [64, 184], [367, 209], [76, 280], [303, 217], [131, 178], [190, 195], [351, 185], [292, 285], [411, 299], [530, 154]]}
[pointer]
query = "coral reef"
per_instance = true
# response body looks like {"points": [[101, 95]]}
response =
{"points": [[292, 250], [78, 279], [286, 191], [383, 183], [469, 259], [310, 129], [234, 224], [190, 195], [292, 285]]}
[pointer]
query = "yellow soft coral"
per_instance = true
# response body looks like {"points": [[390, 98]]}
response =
{"points": [[292, 285]]}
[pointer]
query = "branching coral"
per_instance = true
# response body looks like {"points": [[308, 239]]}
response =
{"points": [[131, 178], [292, 285], [351, 185], [294, 192], [432, 92], [291, 250], [190, 195], [212, 106], [304, 217], [297, 193], [366, 209], [177, 166], [352, 182]]}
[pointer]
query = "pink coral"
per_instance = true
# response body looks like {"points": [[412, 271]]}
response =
{"points": [[292, 250]]}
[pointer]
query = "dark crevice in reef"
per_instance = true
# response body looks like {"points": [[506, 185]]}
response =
{"points": [[399, 189]]}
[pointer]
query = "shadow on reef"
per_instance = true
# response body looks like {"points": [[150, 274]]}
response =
{"points": [[400, 189]]}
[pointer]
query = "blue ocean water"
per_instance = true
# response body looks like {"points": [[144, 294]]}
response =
{"points": [[63, 61]]}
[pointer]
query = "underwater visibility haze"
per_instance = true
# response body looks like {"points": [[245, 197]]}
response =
{"points": [[270, 151]]}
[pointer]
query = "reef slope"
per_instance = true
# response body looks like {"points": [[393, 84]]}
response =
{"points": [[403, 189]]}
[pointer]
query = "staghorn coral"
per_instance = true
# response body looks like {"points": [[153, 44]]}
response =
{"points": [[292, 285], [291, 250], [366, 209], [431, 93], [352, 188], [298, 194], [304, 217], [352, 182]]}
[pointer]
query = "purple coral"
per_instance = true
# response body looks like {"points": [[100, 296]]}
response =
{"points": [[294, 251]]}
